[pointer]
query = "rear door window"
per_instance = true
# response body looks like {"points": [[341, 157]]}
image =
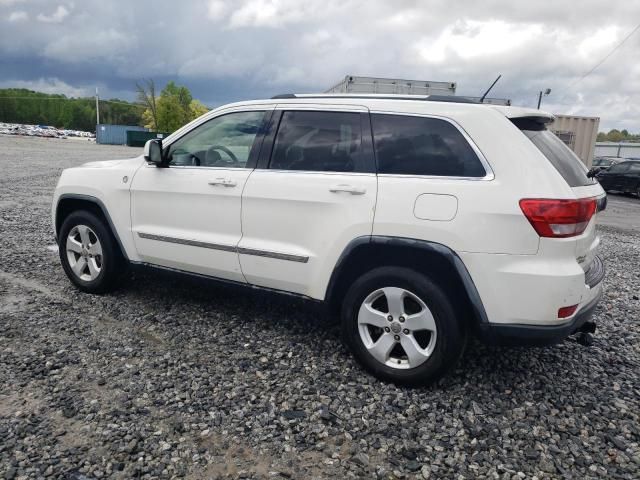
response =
{"points": [[411, 145], [634, 168], [320, 142], [561, 157], [619, 168]]}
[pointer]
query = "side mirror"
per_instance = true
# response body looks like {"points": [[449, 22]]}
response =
{"points": [[153, 152]]}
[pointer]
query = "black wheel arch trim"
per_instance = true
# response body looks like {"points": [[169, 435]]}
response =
{"points": [[96, 201], [454, 260]]}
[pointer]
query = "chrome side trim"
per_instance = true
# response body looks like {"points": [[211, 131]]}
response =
{"points": [[226, 248], [279, 256], [191, 243]]}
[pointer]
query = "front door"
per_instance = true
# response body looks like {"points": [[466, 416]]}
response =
{"points": [[187, 216], [313, 194]]}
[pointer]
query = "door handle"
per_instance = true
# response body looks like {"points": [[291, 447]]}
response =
{"points": [[223, 182], [348, 189]]}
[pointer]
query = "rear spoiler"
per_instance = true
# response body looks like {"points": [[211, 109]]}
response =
{"points": [[532, 122]]}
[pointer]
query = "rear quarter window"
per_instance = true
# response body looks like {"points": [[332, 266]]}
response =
{"points": [[413, 145], [561, 157]]}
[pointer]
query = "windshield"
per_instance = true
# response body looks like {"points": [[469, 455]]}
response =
{"points": [[561, 157], [602, 162]]}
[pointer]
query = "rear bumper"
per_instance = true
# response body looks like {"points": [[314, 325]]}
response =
{"points": [[510, 335]]}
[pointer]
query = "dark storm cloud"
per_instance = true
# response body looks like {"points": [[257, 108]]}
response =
{"points": [[229, 50]]}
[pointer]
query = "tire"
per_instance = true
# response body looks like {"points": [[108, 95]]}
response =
{"points": [[440, 348], [103, 261]]}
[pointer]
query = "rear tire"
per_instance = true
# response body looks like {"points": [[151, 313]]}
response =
{"points": [[89, 254], [401, 326]]}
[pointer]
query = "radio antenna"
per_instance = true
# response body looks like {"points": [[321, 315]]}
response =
{"points": [[489, 89]]}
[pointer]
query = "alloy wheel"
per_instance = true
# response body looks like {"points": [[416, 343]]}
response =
{"points": [[84, 253], [397, 327]]}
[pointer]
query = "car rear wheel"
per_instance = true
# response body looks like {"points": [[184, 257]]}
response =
{"points": [[89, 254], [401, 326]]}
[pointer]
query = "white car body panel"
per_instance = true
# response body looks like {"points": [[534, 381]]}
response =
{"points": [[178, 204], [104, 181], [296, 213]]}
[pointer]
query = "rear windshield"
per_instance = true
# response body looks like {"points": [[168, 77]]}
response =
{"points": [[566, 162]]}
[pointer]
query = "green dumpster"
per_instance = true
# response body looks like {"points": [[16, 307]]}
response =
{"points": [[138, 139]]}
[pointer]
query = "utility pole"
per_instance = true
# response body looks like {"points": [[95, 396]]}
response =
{"points": [[97, 109]]}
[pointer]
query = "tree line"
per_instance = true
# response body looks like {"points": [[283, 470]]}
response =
{"points": [[19, 105], [167, 111], [616, 135]]}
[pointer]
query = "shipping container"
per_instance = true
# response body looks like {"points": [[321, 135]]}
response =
{"points": [[622, 149], [490, 100], [115, 134], [353, 84], [579, 133], [136, 138]]}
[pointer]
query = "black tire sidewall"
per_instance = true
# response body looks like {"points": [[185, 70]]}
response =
{"points": [[111, 260], [451, 337]]}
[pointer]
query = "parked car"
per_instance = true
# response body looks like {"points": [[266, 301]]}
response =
{"points": [[602, 163], [622, 177], [420, 221]]}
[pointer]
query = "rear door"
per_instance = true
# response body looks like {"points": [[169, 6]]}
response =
{"points": [[313, 192]]}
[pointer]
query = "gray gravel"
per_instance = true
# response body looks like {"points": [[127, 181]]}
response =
{"points": [[171, 377]]}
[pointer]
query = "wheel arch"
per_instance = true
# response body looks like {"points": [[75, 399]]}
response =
{"points": [[72, 202], [435, 260]]}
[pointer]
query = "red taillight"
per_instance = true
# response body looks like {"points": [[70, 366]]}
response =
{"points": [[558, 218], [566, 312]]}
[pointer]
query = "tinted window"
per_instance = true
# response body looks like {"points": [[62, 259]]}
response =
{"points": [[634, 168], [423, 146], [319, 141], [561, 157], [224, 141], [619, 168]]}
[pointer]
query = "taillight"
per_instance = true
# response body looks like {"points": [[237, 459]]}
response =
{"points": [[558, 218]]}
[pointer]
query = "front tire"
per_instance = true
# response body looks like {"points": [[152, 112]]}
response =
{"points": [[89, 254], [401, 326]]}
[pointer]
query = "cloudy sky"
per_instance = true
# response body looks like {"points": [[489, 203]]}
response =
{"points": [[232, 50]]}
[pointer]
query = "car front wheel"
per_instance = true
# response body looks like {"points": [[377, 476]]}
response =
{"points": [[401, 326], [88, 252]]}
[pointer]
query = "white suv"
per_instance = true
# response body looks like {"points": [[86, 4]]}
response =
{"points": [[422, 220]]}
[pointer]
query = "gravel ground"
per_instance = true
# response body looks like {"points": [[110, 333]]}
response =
{"points": [[171, 377]]}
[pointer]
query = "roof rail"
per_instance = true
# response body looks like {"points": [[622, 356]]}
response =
{"points": [[419, 98]]}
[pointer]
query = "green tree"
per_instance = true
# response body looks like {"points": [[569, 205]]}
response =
{"points": [[171, 114], [615, 135], [196, 109], [146, 89], [174, 107]]}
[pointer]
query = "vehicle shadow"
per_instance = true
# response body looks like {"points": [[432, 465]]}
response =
{"points": [[312, 323]]}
